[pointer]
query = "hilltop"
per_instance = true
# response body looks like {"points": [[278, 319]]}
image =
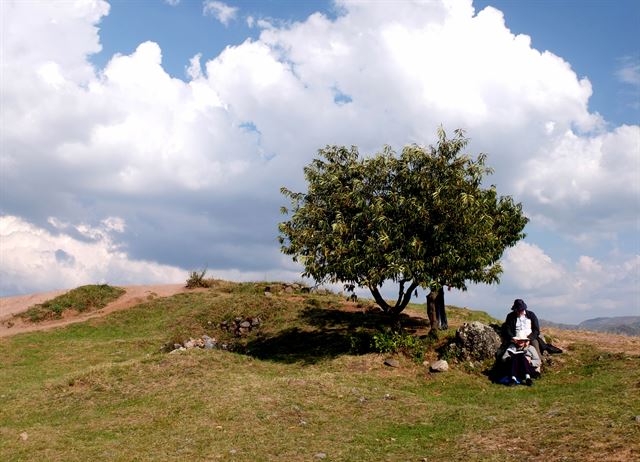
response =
{"points": [[304, 385], [625, 325]]}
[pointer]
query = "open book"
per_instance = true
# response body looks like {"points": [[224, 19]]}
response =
{"points": [[513, 351]]}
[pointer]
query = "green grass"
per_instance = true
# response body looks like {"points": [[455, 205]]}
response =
{"points": [[103, 390], [84, 298]]}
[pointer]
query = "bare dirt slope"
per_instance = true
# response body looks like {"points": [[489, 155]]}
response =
{"points": [[134, 295]]}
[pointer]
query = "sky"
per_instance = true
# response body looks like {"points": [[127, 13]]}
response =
{"points": [[141, 140]]}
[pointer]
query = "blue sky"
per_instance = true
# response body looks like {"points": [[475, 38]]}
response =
{"points": [[145, 139]]}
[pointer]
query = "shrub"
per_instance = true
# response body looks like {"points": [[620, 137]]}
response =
{"points": [[388, 341], [196, 279]]}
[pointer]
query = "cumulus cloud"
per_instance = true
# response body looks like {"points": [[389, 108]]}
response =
{"points": [[567, 292], [193, 168], [34, 259], [221, 11]]}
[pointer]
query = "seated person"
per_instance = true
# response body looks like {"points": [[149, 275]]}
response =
{"points": [[522, 322], [525, 361]]}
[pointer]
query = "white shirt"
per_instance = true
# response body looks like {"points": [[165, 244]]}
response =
{"points": [[523, 325]]}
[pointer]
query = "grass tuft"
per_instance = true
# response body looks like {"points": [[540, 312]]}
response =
{"points": [[81, 299]]}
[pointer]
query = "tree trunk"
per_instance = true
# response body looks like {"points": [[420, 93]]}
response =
{"points": [[440, 310], [432, 311], [436, 311]]}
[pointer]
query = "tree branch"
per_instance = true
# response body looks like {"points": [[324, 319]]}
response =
{"points": [[406, 299], [379, 300]]}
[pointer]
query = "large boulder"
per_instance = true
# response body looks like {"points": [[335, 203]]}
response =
{"points": [[477, 341]]}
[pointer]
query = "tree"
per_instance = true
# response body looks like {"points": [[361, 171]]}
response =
{"points": [[420, 219]]}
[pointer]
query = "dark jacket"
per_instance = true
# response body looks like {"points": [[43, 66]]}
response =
{"points": [[509, 326]]}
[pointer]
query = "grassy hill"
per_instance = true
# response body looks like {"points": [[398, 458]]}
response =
{"points": [[303, 386]]}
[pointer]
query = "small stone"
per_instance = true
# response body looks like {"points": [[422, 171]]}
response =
{"points": [[189, 343], [320, 455], [245, 324], [392, 362], [209, 343], [637, 418], [388, 396], [177, 346], [268, 294], [439, 366], [255, 322], [24, 436], [233, 451]]}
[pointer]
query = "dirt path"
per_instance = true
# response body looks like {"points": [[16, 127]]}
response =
{"points": [[134, 295]]}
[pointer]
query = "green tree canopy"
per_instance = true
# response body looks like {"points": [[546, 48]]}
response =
{"points": [[422, 218]]}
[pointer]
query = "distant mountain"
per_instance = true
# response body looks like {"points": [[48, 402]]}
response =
{"points": [[626, 325]]}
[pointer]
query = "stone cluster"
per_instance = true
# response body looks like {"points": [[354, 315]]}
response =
{"points": [[240, 326], [204, 342]]}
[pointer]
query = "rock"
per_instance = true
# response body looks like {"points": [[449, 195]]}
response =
{"points": [[477, 341], [177, 346], [288, 290], [637, 418], [245, 324], [392, 362], [255, 322], [243, 331], [268, 294], [189, 343], [439, 366], [209, 343], [320, 455], [24, 436]]}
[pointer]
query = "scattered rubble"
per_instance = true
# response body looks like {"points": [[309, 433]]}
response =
{"points": [[239, 327]]}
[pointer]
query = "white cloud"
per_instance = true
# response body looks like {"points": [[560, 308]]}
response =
{"points": [[563, 292], [194, 71], [629, 70], [172, 2], [528, 268], [221, 11], [34, 260]]}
